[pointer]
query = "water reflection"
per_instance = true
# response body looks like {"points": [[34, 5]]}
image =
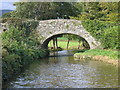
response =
{"points": [[63, 71]]}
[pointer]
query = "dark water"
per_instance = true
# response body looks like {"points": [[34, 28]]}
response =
{"points": [[62, 71]]}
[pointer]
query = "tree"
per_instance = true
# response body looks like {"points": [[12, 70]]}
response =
{"points": [[91, 10], [109, 10], [44, 10], [6, 15], [104, 11], [65, 9], [69, 37], [55, 43], [39, 10]]}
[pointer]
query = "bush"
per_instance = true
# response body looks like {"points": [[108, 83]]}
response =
{"points": [[104, 31], [110, 38], [20, 47]]}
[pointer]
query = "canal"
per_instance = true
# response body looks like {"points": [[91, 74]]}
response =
{"points": [[60, 70]]}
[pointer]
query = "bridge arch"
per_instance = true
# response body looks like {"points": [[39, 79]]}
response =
{"points": [[45, 43], [48, 29]]}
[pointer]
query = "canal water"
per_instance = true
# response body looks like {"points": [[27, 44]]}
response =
{"points": [[60, 70]]}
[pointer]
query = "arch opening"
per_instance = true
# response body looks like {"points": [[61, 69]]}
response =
{"points": [[73, 37]]}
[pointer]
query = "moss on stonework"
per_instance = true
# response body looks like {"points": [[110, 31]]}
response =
{"points": [[94, 44], [52, 22], [50, 32], [76, 24], [67, 26]]}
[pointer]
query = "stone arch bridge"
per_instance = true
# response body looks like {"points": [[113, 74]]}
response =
{"points": [[51, 28]]}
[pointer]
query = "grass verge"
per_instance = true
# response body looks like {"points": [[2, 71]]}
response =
{"points": [[108, 56], [96, 52]]}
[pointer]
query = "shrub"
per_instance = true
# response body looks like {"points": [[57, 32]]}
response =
{"points": [[104, 31], [20, 47], [109, 38]]}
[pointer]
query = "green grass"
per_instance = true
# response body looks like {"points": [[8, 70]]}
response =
{"points": [[95, 52], [63, 44]]}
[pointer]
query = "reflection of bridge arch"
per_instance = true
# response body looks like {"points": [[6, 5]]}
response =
{"points": [[48, 29]]}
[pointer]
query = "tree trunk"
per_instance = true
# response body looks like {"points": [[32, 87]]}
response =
{"points": [[68, 43], [53, 43], [84, 44], [56, 42], [79, 44]]}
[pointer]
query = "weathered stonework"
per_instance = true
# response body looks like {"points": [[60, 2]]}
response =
{"points": [[50, 28]]}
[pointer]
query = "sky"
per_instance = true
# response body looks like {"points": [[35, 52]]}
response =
{"points": [[7, 5]]}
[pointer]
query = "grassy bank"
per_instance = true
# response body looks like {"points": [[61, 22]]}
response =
{"points": [[96, 52], [109, 56]]}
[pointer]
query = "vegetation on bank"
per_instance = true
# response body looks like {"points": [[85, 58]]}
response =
{"points": [[20, 47], [98, 52], [104, 31]]}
